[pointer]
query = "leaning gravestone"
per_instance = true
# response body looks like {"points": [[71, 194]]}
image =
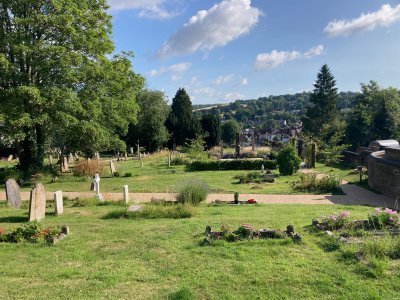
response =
{"points": [[58, 203], [112, 168], [13, 193], [37, 205]]}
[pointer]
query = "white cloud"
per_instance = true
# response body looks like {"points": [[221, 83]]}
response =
{"points": [[175, 71], [276, 58], [243, 81], [222, 79], [216, 27], [205, 91], [385, 16], [230, 97], [147, 8]]}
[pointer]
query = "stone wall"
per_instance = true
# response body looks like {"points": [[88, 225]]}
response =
{"points": [[384, 172]]}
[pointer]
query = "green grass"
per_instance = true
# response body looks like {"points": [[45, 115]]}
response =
{"points": [[162, 258]]}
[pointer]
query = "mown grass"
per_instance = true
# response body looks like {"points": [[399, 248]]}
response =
{"points": [[162, 258]]}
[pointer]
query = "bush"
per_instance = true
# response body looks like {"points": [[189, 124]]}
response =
{"points": [[225, 165], [336, 221], [310, 183], [117, 174], [31, 232], [288, 161], [88, 168], [193, 191], [386, 218], [179, 160], [128, 174], [255, 177]]}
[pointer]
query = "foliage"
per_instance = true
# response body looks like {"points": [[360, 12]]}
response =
{"points": [[310, 183], [179, 160], [150, 128], [211, 126], [335, 221], [180, 123], [374, 116], [31, 233], [193, 191], [57, 82], [386, 218], [323, 104], [229, 130], [88, 168], [237, 164], [254, 177], [288, 161], [195, 149]]}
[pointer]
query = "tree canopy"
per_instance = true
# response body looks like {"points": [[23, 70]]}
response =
{"points": [[56, 79], [211, 126]]}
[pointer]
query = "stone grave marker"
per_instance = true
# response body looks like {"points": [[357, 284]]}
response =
{"points": [[10, 158], [58, 203], [112, 168], [13, 193], [37, 205], [97, 187], [51, 159], [64, 165], [126, 194]]}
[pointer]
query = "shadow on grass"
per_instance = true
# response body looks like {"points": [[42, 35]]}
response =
{"points": [[117, 214], [14, 219]]}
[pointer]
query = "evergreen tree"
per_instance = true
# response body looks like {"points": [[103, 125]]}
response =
{"points": [[181, 123], [211, 126], [229, 130], [323, 105]]}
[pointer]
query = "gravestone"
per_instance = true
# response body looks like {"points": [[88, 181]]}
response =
{"points": [[97, 187], [37, 205], [51, 159], [10, 158], [97, 155], [112, 168], [64, 164], [126, 194], [126, 156], [131, 149], [58, 203], [13, 193]]}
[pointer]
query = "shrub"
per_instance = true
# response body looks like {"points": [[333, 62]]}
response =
{"points": [[128, 174], [254, 177], [88, 168], [288, 161], [225, 165], [384, 218], [31, 232], [310, 183], [117, 174], [336, 220], [329, 183], [179, 160], [193, 191]]}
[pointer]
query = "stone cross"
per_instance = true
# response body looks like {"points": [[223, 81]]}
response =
{"points": [[97, 187], [58, 203], [126, 193], [13, 193], [112, 168], [37, 205]]}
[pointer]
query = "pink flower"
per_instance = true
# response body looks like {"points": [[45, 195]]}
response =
{"points": [[345, 214]]}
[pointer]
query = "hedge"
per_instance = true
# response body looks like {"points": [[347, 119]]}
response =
{"points": [[236, 164]]}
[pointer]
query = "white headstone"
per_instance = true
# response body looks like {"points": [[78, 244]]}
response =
{"points": [[58, 203], [97, 187], [112, 168], [10, 158], [126, 194], [51, 159], [37, 205], [262, 168]]}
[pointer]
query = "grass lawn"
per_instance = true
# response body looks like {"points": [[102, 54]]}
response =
{"points": [[155, 176], [162, 258]]}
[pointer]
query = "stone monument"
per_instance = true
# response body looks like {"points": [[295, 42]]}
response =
{"points": [[13, 193], [37, 205]]}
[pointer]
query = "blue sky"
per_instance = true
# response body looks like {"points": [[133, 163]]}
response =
{"points": [[221, 51]]}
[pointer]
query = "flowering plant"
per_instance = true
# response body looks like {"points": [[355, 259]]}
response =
{"points": [[336, 220], [382, 218]]}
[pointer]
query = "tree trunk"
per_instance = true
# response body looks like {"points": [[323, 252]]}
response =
{"points": [[40, 139]]}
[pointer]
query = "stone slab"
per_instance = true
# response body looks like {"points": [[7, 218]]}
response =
{"points": [[58, 203], [13, 193], [37, 205]]}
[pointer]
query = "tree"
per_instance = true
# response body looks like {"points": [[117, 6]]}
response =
{"points": [[229, 130], [323, 104], [150, 128], [288, 160], [181, 123], [56, 79], [211, 126]]}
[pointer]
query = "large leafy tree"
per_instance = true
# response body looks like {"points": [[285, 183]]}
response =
{"points": [[181, 123], [211, 126], [229, 130], [56, 79], [150, 128], [376, 115], [322, 110]]}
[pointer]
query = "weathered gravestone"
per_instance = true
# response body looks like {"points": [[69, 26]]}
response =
{"points": [[58, 203], [112, 168], [64, 165], [10, 158], [51, 159], [126, 193], [13, 193], [37, 205]]}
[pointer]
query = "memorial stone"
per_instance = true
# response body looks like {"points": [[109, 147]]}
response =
{"points": [[13, 193], [37, 205]]}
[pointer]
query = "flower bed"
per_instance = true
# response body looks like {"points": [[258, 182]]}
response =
{"points": [[247, 232], [34, 233]]}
